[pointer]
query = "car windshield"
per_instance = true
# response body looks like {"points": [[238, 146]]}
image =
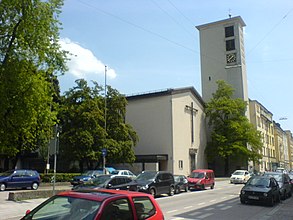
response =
{"points": [[240, 173], [277, 176], [88, 173], [146, 176], [259, 182], [100, 179], [196, 175], [64, 207], [7, 173], [115, 172]]}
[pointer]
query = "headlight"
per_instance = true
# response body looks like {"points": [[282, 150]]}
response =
{"points": [[145, 187], [242, 192], [265, 194]]}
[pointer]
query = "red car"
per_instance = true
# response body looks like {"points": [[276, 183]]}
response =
{"points": [[102, 204], [201, 178]]}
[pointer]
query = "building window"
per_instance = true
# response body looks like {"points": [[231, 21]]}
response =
{"points": [[229, 31], [230, 45], [181, 164]]}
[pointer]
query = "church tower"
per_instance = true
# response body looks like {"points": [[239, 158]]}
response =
{"points": [[222, 57]]}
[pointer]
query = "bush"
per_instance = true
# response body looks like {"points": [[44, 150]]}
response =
{"points": [[60, 177]]}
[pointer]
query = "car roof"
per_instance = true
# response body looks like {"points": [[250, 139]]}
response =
{"points": [[100, 194]]}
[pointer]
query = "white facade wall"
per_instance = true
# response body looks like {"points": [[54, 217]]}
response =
{"points": [[163, 125]]}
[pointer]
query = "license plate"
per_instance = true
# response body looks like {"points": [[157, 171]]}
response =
{"points": [[253, 197]]}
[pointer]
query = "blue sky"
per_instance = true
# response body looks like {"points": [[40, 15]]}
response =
{"points": [[150, 45]]}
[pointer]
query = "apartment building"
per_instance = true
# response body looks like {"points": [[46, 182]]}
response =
{"points": [[262, 119]]}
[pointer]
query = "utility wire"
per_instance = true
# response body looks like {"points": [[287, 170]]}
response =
{"points": [[141, 28], [270, 31]]}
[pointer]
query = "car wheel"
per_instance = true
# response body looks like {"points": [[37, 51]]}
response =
{"points": [[153, 192], [242, 201], [271, 202], [171, 191], [278, 198], [202, 186], [35, 186], [186, 189], [2, 187], [213, 186], [283, 196], [177, 190]]}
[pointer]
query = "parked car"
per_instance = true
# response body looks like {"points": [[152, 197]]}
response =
{"points": [[108, 170], [19, 179], [156, 183], [261, 189], [109, 181], [201, 178], [240, 176], [181, 183], [86, 176], [124, 173], [101, 204], [283, 180]]}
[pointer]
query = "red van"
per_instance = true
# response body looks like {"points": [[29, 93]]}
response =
{"points": [[201, 178]]}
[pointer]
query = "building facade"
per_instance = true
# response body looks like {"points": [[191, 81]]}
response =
{"points": [[222, 57], [171, 126], [262, 119]]}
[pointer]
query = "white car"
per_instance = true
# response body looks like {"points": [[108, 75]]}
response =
{"points": [[240, 176], [123, 173]]}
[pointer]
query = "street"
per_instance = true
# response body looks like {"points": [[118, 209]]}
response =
{"points": [[220, 203]]}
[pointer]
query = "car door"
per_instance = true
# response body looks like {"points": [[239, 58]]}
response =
{"points": [[18, 179]]}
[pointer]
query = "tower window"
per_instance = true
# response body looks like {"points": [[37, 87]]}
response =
{"points": [[230, 45], [229, 31]]}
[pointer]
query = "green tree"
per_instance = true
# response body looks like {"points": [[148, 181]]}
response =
{"points": [[83, 126], [30, 56], [232, 135]]}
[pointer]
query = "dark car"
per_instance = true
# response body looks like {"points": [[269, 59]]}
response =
{"points": [[181, 183], [19, 179], [97, 204], [283, 180], [261, 189], [109, 181], [86, 176], [156, 182]]}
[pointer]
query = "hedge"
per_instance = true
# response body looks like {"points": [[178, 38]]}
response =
{"points": [[60, 177]]}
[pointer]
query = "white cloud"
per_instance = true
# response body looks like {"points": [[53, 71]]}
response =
{"points": [[83, 62]]}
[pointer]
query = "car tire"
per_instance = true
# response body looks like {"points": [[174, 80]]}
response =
{"points": [[171, 191], [242, 201], [202, 186], [153, 192], [177, 190], [35, 186], [2, 187], [213, 186], [186, 189], [271, 202]]}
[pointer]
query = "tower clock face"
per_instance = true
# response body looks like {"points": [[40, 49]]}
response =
{"points": [[231, 58]]}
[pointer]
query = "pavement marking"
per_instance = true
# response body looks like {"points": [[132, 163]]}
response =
{"points": [[172, 211], [214, 200], [208, 209], [205, 215], [202, 203], [220, 205], [188, 207], [225, 208]]}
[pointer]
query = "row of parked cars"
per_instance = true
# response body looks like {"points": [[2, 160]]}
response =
{"points": [[151, 182], [98, 197], [268, 187]]}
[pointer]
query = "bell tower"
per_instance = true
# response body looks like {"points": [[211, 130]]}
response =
{"points": [[222, 57]]}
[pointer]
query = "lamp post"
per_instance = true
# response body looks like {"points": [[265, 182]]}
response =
{"points": [[104, 151]]}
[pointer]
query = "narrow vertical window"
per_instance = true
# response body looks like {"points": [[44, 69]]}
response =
{"points": [[180, 164], [229, 31]]}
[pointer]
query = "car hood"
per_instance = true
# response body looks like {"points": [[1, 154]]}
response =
{"points": [[193, 180], [256, 188], [83, 177], [142, 182]]}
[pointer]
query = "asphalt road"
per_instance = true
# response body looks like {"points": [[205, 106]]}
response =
{"points": [[219, 203]]}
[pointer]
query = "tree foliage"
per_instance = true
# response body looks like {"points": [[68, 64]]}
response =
{"points": [[29, 57], [232, 134], [83, 125]]}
